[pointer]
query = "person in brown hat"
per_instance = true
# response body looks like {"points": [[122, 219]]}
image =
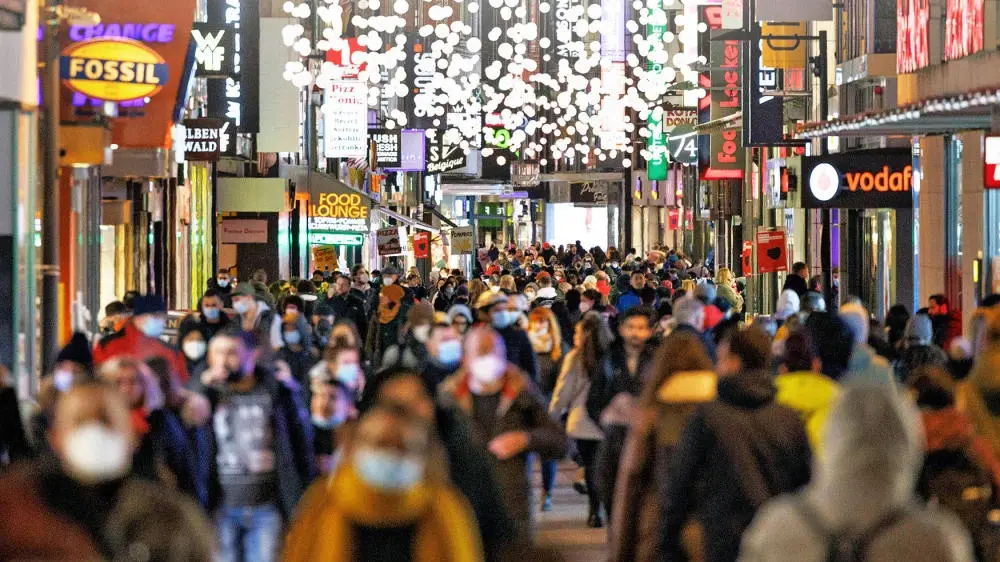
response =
{"points": [[394, 302]]}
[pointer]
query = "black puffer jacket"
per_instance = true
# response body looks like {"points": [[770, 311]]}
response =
{"points": [[738, 451]]}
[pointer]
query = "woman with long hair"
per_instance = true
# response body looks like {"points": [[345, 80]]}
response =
{"points": [[679, 379], [476, 288], [546, 339], [590, 344]]}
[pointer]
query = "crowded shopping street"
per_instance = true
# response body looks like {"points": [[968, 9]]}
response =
{"points": [[500, 281]]}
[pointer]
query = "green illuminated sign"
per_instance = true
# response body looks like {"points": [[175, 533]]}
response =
{"points": [[658, 161], [336, 238]]}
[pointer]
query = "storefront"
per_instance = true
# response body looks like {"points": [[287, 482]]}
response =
{"points": [[585, 207], [338, 229], [873, 192]]}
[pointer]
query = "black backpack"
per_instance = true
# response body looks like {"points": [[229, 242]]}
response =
{"points": [[956, 482], [848, 548]]}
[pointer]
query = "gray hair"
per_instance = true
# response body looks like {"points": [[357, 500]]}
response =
{"points": [[689, 311]]}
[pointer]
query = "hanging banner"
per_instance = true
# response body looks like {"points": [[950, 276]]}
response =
{"points": [[913, 29], [390, 241], [784, 53], [746, 258], [237, 96], [772, 253], [991, 162], [659, 159], [963, 28], [343, 55], [412, 151], [443, 157], [346, 120], [387, 145], [673, 219], [215, 50], [422, 244], [461, 240]]}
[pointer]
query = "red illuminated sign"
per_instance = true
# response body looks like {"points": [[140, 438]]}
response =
{"points": [[963, 28], [991, 163], [772, 254], [342, 56], [912, 47]]}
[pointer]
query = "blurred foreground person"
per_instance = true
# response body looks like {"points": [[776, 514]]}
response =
{"points": [[508, 418], [861, 504], [468, 466], [262, 448], [77, 503], [389, 500], [735, 453], [680, 379], [140, 337]]}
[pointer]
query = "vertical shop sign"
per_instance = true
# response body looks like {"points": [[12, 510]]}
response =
{"points": [[912, 41], [732, 14], [963, 28], [727, 81], [991, 162], [747, 258], [343, 56], [673, 219], [688, 219], [215, 50], [390, 241], [387, 145], [422, 244], [346, 120], [613, 37], [202, 139], [588, 194], [237, 97], [772, 253], [656, 168], [412, 151], [461, 240]]}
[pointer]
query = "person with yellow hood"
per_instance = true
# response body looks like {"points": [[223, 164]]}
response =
{"points": [[803, 386], [388, 500]]}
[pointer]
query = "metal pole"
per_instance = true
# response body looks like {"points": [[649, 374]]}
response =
{"points": [[49, 194], [826, 244]]}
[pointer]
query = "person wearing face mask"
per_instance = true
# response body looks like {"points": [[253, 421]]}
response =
{"points": [[349, 304], [460, 317], [69, 503], [331, 406], [255, 315], [211, 318], [194, 345], [444, 354], [341, 363], [388, 500], [445, 297], [74, 365], [546, 339], [297, 350], [508, 418], [503, 315], [222, 284], [140, 337], [262, 448], [468, 466]]}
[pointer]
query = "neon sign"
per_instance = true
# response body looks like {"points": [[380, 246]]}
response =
{"points": [[963, 28], [912, 47], [113, 69], [145, 32]]}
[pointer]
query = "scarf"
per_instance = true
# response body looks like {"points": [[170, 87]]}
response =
{"points": [[445, 527], [389, 304]]}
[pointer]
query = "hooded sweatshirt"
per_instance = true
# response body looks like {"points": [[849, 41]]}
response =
{"points": [[873, 454]]}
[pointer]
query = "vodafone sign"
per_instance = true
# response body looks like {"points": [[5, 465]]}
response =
{"points": [[991, 163], [859, 180]]}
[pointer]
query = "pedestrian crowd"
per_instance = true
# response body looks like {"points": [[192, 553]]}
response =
{"points": [[383, 415]]}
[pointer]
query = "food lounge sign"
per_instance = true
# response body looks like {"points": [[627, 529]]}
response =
{"points": [[339, 212], [859, 180]]}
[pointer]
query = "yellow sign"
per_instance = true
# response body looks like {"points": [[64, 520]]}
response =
{"points": [[784, 53], [113, 69], [338, 212]]}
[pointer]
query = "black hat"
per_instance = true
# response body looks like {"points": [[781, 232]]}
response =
{"points": [[149, 304], [77, 350]]}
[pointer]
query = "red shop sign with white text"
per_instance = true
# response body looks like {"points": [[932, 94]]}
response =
{"points": [[772, 253], [991, 163], [963, 28]]}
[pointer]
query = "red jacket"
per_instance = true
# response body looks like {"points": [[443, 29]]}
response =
{"points": [[130, 341]]}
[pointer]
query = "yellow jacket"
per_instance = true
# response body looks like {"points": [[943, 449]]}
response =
{"points": [[812, 395]]}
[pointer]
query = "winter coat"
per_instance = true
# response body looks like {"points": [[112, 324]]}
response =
{"points": [[616, 377], [982, 396], [293, 441], [872, 458], [548, 370], [654, 432], [946, 328], [950, 430], [628, 300], [132, 342], [739, 450], [170, 441], [14, 444], [734, 299], [351, 307], [570, 394], [520, 352], [797, 284], [812, 395], [915, 356], [521, 408], [867, 368]]}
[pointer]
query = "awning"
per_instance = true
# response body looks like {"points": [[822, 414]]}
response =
{"points": [[406, 220], [935, 116]]}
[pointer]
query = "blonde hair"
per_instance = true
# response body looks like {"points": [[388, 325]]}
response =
{"points": [[507, 283], [688, 286], [724, 276], [542, 314]]}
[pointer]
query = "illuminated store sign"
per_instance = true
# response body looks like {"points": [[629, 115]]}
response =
{"points": [[912, 46], [215, 50], [859, 180], [339, 212], [113, 69], [237, 96], [659, 160], [963, 34], [336, 238], [145, 32]]}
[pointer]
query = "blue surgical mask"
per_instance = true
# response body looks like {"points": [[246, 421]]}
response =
{"points": [[348, 373], [387, 470], [154, 327], [223, 283], [332, 422], [449, 352], [293, 338], [504, 319], [241, 307], [211, 314]]}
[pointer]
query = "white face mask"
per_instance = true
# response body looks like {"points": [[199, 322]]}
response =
{"points": [[348, 373], [422, 333], [95, 453], [241, 306], [488, 370], [388, 470], [194, 349], [62, 379]]}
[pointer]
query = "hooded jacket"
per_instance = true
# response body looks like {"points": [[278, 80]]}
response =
{"points": [[874, 451], [735, 454], [812, 395], [131, 341], [522, 408], [982, 396], [634, 531], [867, 368]]}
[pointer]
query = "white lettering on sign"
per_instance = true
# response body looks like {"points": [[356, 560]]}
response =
{"points": [[346, 120], [208, 53]]}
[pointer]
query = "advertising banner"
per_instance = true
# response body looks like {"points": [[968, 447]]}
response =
{"points": [[387, 144], [242, 231], [963, 34], [461, 240], [912, 41], [772, 253], [422, 244], [390, 241], [412, 151], [869, 179], [138, 64], [346, 120]]}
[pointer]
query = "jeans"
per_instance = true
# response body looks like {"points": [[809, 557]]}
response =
{"points": [[549, 470], [248, 534], [588, 453]]}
